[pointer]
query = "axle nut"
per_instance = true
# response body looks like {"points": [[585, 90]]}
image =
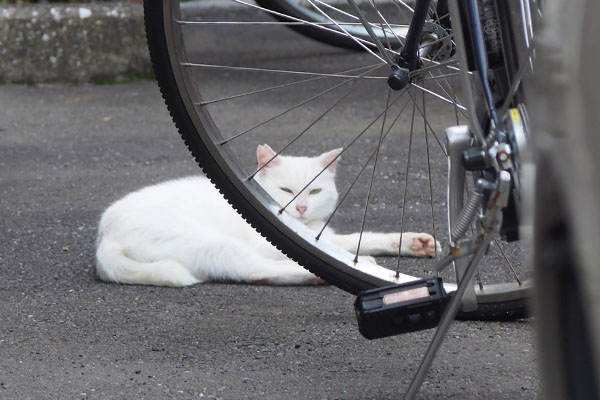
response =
{"points": [[398, 79]]}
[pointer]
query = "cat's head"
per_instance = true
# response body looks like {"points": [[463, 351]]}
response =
{"points": [[284, 177]]}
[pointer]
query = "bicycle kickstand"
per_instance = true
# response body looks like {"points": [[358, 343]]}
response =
{"points": [[456, 300]]}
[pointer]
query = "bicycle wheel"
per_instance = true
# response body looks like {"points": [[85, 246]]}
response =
{"points": [[299, 96], [567, 222]]}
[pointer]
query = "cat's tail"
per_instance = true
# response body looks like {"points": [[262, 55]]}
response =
{"points": [[113, 264]]}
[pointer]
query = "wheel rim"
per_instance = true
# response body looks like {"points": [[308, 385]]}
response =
{"points": [[210, 122]]}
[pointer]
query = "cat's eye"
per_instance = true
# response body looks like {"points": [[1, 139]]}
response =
{"points": [[287, 190], [315, 191]]}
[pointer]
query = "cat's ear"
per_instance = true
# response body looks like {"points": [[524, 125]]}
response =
{"points": [[330, 159], [264, 154]]}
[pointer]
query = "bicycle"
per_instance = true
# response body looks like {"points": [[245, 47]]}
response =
{"points": [[409, 61]]}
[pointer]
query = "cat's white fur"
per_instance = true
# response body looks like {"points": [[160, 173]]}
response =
{"points": [[182, 232]]}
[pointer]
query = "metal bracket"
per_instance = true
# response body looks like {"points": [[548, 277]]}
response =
{"points": [[458, 139]]}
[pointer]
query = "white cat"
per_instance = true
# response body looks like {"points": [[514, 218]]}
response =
{"points": [[183, 232]]}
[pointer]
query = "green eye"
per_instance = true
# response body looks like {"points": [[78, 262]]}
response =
{"points": [[287, 190], [315, 191]]}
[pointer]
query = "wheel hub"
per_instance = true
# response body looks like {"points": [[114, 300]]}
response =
{"points": [[435, 43]]}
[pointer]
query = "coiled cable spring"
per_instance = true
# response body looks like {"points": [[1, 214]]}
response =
{"points": [[468, 213]]}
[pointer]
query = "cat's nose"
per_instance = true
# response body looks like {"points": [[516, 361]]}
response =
{"points": [[301, 208]]}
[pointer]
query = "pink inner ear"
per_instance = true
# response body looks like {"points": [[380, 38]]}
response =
{"points": [[330, 157], [264, 154]]}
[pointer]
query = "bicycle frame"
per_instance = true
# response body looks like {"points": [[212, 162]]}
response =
{"points": [[409, 56]]}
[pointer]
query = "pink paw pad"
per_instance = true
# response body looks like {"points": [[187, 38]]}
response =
{"points": [[320, 281], [423, 246]]}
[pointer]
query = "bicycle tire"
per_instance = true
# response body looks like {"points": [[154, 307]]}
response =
{"points": [[248, 199]]}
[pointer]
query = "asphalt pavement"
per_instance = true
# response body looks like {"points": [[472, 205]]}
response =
{"points": [[66, 153]]}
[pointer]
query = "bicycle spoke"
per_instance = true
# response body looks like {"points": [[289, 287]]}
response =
{"points": [[427, 122], [385, 22], [436, 65], [377, 43], [450, 95], [444, 79], [387, 39], [275, 23], [362, 169], [403, 4], [439, 96], [410, 140], [442, 64], [512, 268], [360, 41], [438, 18], [313, 123], [479, 280], [362, 228], [204, 103], [391, 27], [279, 71], [344, 149], [298, 105], [429, 172], [436, 77], [453, 92]]}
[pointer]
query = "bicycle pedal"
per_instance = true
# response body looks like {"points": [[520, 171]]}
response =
{"points": [[397, 309]]}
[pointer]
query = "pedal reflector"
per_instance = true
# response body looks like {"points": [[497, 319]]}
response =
{"points": [[397, 309]]}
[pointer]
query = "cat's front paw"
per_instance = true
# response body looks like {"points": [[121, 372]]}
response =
{"points": [[320, 281], [419, 245]]}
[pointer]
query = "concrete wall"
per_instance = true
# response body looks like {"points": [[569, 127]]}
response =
{"points": [[72, 43]]}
